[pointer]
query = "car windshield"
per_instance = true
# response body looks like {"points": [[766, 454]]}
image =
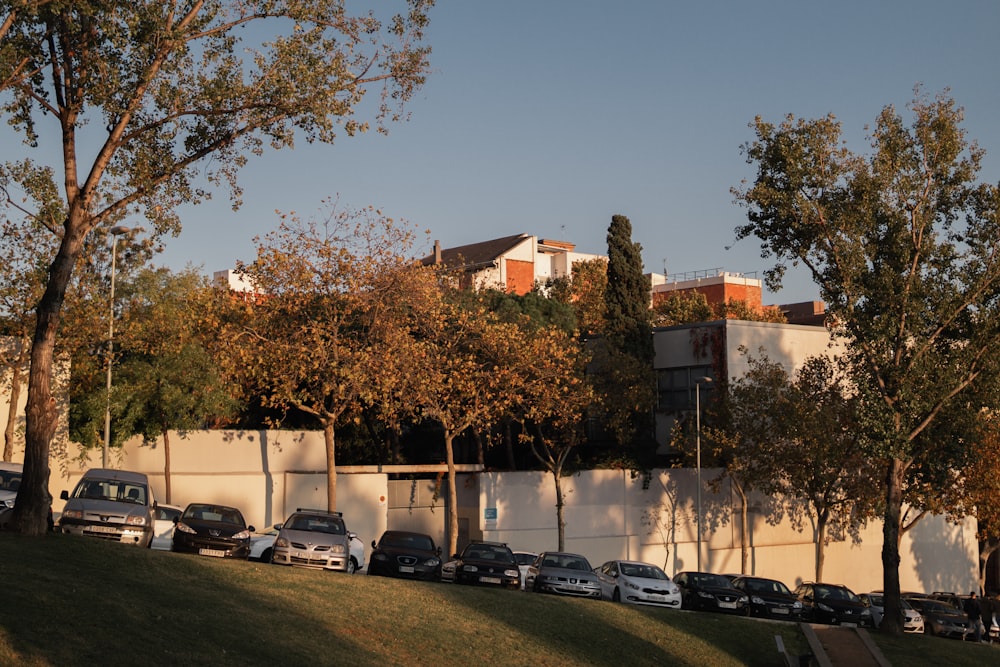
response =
{"points": [[705, 579], [765, 586], [566, 562], [10, 480], [489, 552], [876, 600], [317, 524], [524, 558], [110, 489], [217, 513], [642, 571], [420, 542], [166, 513], [834, 593]]}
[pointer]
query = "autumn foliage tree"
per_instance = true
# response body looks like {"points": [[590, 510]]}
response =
{"points": [[904, 244], [314, 335], [151, 105]]}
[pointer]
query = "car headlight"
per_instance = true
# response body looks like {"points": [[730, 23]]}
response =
{"points": [[135, 520], [7, 503], [632, 585], [72, 514], [184, 528], [703, 594], [512, 573], [824, 607], [242, 535], [744, 599], [281, 542], [866, 612], [338, 549], [470, 568], [433, 562], [756, 599], [380, 557], [797, 604]]}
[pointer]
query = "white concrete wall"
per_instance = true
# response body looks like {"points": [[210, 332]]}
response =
{"points": [[609, 513]]}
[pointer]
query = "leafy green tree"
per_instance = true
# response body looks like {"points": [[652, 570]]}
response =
{"points": [[167, 379], [627, 295], [904, 245], [154, 104]]}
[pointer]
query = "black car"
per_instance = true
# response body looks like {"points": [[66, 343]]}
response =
{"points": [[400, 553], [940, 618], [710, 592], [487, 563], [833, 604], [212, 530], [770, 598]]}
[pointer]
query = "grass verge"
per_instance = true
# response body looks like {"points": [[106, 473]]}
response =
{"points": [[77, 601]]}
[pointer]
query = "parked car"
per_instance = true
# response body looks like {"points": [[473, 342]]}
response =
{"points": [[409, 555], [262, 547], [563, 574], [940, 618], [10, 483], [913, 622], [112, 505], [314, 538], [487, 563], [524, 560], [633, 582], [163, 526], [710, 592], [833, 604], [212, 530], [769, 598]]}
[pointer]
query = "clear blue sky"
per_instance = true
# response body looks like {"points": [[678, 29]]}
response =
{"points": [[549, 116]]}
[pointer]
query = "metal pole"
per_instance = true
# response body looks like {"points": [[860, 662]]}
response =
{"points": [[697, 409], [111, 349]]}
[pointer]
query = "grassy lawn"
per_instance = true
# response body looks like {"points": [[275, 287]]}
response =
{"points": [[79, 601]]}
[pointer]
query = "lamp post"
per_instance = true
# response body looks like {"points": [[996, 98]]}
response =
{"points": [[697, 417], [115, 233]]}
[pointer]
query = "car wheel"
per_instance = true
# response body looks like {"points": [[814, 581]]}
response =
{"points": [[616, 596], [266, 556], [352, 566]]}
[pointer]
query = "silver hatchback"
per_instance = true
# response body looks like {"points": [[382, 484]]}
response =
{"points": [[313, 538]]}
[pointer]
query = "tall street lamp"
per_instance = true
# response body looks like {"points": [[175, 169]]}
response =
{"points": [[115, 233], [697, 417]]}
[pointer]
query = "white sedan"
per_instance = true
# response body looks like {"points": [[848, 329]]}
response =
{"points": [[637, 583], [262, 546]]}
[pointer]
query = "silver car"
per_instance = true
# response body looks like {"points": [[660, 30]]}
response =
{"points": [[563, 574], [313, 538], [112, 505]]}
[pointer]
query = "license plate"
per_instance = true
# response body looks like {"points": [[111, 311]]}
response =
{"points": [[655, 596], [780, 610], [218, 553], [104, 529], [406, 568], [727, 605], [849, 625], [490, 580]]}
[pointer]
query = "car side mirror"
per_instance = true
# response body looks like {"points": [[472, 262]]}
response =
{"points": [[64, 495], [454, 556], [278, 526], [251, 529], [177, 520], [374, 545], [438, 552]]}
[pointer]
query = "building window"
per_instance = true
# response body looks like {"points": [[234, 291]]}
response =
{"points": [[675, 387]]}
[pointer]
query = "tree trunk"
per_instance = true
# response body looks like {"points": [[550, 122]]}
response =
{"points": [[892, 622], [508, 443], [744, 527], [166, 465], [16, 379], [41, 414], [331, 466], [822, 518], [560, 506], [449, 438]]}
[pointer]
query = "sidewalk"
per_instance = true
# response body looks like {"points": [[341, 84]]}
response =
{"points": [[834, 645]]}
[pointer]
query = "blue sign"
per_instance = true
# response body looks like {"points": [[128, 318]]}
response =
{"points": [[490, 513]]}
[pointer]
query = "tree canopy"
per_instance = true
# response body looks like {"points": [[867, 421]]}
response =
{"points": [[153, 105], [904, 244]]}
